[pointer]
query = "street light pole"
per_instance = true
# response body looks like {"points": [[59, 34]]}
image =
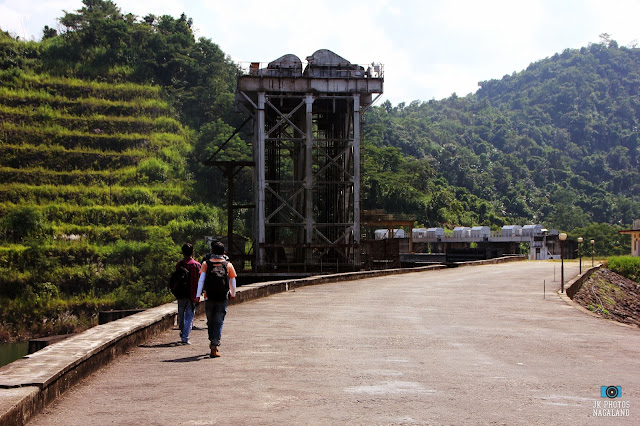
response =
{"points": [[593, 249], [562, 236], [580, 240]]}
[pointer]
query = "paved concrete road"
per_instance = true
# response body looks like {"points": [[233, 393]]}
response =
{"points": [[472, 345]]}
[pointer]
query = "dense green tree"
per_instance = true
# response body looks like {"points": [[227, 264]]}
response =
{"points": [[100, 42], [608, 241], [556, 143]]}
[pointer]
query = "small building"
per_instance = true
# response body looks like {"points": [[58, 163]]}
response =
{"points": [[532, 230], [419, 233], [511, 231], [398, 233], [435, 233], [383, 234], [480, 232], [635, 237], [461, 232]]}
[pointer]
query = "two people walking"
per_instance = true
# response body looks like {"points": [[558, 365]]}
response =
{"points": [[217, 278]]}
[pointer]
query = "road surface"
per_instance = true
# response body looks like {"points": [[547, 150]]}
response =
{"points": [[470, 345]]}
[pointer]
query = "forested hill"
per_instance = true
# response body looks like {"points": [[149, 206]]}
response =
{"points": [[556, 143]]}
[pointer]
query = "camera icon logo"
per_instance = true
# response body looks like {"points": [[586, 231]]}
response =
{"points": [[610, 391]]}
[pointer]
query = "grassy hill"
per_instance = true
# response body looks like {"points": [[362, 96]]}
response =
{"points": [[95, 200]]}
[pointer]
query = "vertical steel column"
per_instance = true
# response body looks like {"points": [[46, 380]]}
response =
{"points": [[308, 177], [259, 156], [356, 170], [229, 170]]}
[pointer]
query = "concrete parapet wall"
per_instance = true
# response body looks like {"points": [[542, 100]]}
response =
{"points": [[575, 284], [491, 261], [108, 316], [37, 344], [31, 383], [254, 291]]}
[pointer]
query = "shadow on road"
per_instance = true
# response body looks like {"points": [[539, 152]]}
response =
{"points": [[163, 345], [173, 345], [189, 358]]}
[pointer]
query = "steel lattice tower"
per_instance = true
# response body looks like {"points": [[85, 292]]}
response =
{"points": [[306, 149]]}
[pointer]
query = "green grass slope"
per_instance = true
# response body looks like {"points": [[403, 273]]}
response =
{"points": [[95, 201]]}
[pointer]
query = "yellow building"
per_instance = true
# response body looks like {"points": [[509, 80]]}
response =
{"points": [[635, 237]]}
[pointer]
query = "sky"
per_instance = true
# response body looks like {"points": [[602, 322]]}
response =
{"points": [[429, 49]]}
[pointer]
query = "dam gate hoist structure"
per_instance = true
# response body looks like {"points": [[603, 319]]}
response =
{"points": [[306, 155]]}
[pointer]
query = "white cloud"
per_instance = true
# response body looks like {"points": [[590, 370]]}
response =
{"points": [[430, 48], [27, 18]]}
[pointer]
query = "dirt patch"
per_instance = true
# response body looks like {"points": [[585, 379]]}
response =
{"points": [[611, 296]]}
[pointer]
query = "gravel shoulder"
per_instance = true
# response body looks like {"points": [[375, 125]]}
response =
{"points": [[611, 296]]}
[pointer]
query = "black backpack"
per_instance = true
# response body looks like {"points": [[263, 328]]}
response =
{"points": [[216, 282], [180, 282]]}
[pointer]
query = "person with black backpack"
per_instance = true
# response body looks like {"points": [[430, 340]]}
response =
{"points": [[188, 270], [218, 279], [209, 255]]}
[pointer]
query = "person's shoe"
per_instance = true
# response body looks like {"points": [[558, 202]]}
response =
{"points": [[185, 342], [215, 353]]}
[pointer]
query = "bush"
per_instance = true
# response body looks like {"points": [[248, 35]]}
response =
{"points": [[23, 222], [13, 283], [626, 266], [138, 195], [189, 230], [113, 277], [154, 170]]}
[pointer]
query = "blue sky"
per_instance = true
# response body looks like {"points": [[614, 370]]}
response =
{"points": [[429, 48]]}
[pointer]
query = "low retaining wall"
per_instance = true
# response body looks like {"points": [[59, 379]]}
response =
{"points": [[575, 284], [112, 315], [254, 291], [31, 383], [38, 344], [495, 261]]}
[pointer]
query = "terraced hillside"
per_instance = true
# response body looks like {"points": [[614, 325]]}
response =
{"points": [[95, 200]]}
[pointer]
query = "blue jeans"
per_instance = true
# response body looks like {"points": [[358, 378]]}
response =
{"points": [[186, 311], [216, 312]]}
